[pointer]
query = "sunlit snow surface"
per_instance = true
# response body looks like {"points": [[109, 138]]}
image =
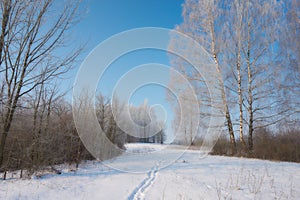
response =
{"points": [[188, 177]]}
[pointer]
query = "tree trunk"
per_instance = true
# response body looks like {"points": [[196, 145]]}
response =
{"points": [[34, 150], [250, 96], [230, 130], [2, 144], [221, 83], [240, 94], [6, 127], [250, 136], [239, 26], [79, 150], [227, 113]]}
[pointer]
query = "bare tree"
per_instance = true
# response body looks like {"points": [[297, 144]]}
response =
{"points": [[102, 106], [242, 38], [32, 36], [290, 54], [260, 25], [233, 56], [202, 20]]}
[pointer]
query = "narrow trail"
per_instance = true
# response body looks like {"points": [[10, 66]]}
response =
{"points": [[139, 192]]}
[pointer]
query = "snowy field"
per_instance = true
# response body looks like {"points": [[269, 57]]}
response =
{"points": [[155, 172]]}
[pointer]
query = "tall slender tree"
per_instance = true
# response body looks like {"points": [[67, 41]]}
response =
{"points": [[203, 21]]}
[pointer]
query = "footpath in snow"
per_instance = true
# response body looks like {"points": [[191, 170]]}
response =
{"points": [[148, 171]]}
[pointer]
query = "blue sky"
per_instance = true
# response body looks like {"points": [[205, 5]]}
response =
{"points": [[104, 18]]}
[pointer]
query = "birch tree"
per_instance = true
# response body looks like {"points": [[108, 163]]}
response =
{"points": [[242, 38], [261, 26], [233, 57], [203, 21]]}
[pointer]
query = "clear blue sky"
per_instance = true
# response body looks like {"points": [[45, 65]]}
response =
{"points": [[107, 17], [104, 18]]}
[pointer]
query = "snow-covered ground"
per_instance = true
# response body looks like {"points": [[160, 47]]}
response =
{"points": [[155, 172]]}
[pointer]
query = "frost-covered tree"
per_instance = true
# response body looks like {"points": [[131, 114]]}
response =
{"points": [[32, 34], [242, 37]]}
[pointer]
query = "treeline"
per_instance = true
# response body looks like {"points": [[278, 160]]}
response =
{"points": [[43, 132], [33, 57], [254, 47], [139, 116], [37, 127]]}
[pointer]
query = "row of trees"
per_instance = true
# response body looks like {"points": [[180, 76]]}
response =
{"points": [[31, 40], [139, 115], [36, 121], [255, 47], [43, 132]]}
